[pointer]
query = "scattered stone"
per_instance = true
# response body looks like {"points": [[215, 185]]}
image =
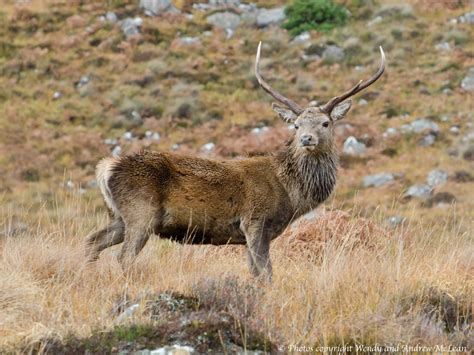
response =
{"points": [[69, 184], [268, 17], [374, 21], [443, 46], [362, 102], [427, 141], [420, 191], [111, 17], [131, 26], [169, 350], [175, 146], [301, 38], [454, 129], [110, 141], [84, 80], [467, 84], [469, 153], [92, 184], [440, 199], [208, 147], [128, 136], [445, 118], [466, 18], [128, 312], [463, 176], [469, 137], [224, 19], [378, 180], [189, 41], [404, 10], [437, 177], [421, 125], [333, 54], [116, 151], [353, 147], [57, 95], [390, 133], [395, 221], [157, 7], [152, 135], [259, 130]]}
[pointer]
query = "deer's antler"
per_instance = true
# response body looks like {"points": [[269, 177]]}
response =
{"points": [[361, 85], [293, 106]]}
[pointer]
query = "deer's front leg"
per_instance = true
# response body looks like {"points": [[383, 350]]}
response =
{"points": [[258, 244]]}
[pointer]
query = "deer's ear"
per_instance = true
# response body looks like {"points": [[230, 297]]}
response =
{"points": [[284, 113], [340, 110]]}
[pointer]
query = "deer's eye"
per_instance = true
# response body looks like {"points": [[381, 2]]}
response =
{"points": [[326, 124]]}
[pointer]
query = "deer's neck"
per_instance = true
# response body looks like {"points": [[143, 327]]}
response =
{"points": [[308, 177]]}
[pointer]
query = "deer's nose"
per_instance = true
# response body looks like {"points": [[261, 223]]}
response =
{"points": [[307, 139]]}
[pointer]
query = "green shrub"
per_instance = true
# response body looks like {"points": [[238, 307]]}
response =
{"points": [[320, 15]]}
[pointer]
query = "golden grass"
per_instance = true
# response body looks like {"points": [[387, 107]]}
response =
{"points": [[348, 293]]}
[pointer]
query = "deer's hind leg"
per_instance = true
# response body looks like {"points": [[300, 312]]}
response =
{"points": [[111, 235]]}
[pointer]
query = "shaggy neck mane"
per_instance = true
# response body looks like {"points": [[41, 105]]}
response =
{"points": [[313, 174]]}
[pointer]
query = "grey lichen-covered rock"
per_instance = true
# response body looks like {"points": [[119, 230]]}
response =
{"points": [[437, 177], [427, 141], [268, 17], [224, 19], [157, 7], [131, 26], [377, 180], [395, 221], [402, 10], [421, 125], [466, 18], [353, 147], [333, 53], [467, 84], [420, 191]]}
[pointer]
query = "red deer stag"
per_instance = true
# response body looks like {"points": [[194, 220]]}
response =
{"points": [[244, 201]]}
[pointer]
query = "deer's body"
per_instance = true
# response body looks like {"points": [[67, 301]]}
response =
{"points": [[244, 201]]}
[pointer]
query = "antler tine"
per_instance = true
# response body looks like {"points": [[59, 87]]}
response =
{"points": [[361, 85], [293, 106]]}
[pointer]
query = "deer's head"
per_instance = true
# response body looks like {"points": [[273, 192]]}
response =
{"points": [[315, 125]]}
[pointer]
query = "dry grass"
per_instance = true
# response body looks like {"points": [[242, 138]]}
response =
{"points": [[412, 285]]}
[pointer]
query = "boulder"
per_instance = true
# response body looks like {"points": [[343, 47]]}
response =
{"points": [[353, 147], [157, 7], [224, 19], [377, 180], [437, 177], [467, 84], [268, 17], [420, 191]]}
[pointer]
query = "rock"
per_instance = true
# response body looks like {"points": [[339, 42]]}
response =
{"points": [[172, 350], [427, 141], [421, 125], [333, 54], [469, 153], [128, 312], [440, 199], [443, 46], [110, 141], [268, 17], [463, 176], [420, 191], [390, 133], [301, 38], [378, 180], [116, 151], [437, 178], [362, 102], [208, 147], [467, 84], [353, 147], [224, 19], [152, 135], [128, 136], [57, 95], [401, 10], [374, 21], [259, 130], [111, 17], [131, 26], [157, 7], [469, 137], [395, 221], [466, 18], [189, 41], [454, 129]]}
